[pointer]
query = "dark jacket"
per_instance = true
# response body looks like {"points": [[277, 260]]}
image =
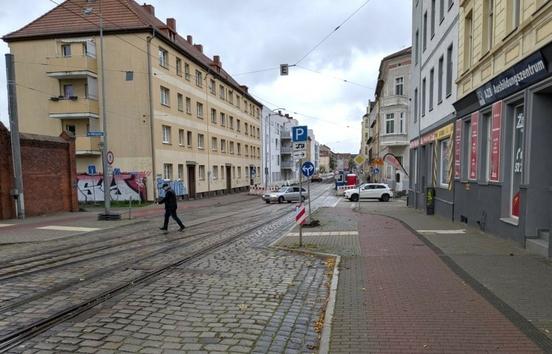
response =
{"points": [[169, 200]]}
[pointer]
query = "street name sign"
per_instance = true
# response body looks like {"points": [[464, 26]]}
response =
{"points": [[299, 133], [93, 133]]}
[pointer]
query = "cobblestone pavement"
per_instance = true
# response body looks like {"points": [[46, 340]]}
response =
{"points": [[244, 297]]}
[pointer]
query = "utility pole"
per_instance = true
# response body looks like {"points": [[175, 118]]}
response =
{"points": [[301, 202], [15, 145]]}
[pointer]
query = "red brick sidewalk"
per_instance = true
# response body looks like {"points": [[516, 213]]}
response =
{"points": [[416, 303]]}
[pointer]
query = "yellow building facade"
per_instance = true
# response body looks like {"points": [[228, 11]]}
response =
{"points": [[172, 112]]}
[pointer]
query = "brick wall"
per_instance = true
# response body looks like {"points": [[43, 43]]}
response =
{"points": [[49, 174]]}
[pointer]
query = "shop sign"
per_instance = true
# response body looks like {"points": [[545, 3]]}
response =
{"points": [[457, 147], [428, 138], [414, 143], [444, 132], [496, 124], [473, 149], [530, 70]]}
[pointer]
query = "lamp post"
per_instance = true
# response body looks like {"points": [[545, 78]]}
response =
{"points": [[268, 148]]}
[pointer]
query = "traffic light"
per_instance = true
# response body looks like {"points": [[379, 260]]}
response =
{"points": [[284, 69]]}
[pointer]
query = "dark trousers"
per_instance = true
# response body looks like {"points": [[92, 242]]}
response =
{"points": [[171, 213]]}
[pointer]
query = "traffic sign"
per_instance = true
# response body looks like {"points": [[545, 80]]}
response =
{"points": [[307, 168], [299, 154], [91, 169], [299, 146], [376, 171], [110, 157], [359, 159], [299, 133], [93, 133], [116, 171], [253, 171]]}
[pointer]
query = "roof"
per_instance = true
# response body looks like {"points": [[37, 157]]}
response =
{"points": [[120, 16], [402, 52]]}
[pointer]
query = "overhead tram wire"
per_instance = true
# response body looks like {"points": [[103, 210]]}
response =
{"points": [[332, 32], [335, 77]]}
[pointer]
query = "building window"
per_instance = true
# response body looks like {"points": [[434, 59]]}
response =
{"points": [[199, 79], [215, 172], [239, 172], [488, 15], [222, 92], [441, 10], [423, 96], [214, 144], [166, 134], [213, 116], [517, 160], [231, 122], [238, 125], [178, 66], [68, 91], [66, 50], [238, 102], [238, 145], [432, 19], [444, 166], [187, 71], [468, 41], [448, 86], [401, 123], [231, 97], [168, 171], [189, 138], [188, 105], [450, 3], [165, 96], [200, 141], [415, 105], [399, 83], [440, 80], [424, 35], [416, 47], [212, 88], [201, 172], [513, 12], [181, 141], [180, 171], [431, 88], [246, 129], [129, 75], [222, 145], [231, 147], [163, 58], [221, 172], [389, 123], [199, 109], [180, 99], [222, 119]]}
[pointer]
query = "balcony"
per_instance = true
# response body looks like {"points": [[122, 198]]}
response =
{"points": [[289, 165], [73, 108], [394, 140], [285, 134], [87, 146], [286, 150], [73, 67]]}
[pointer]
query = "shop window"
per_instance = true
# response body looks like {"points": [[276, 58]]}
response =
{"points": [[517, 160], [444, 162]]}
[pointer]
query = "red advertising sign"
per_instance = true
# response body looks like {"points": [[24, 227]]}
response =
{"points": [[473, 148], [457, 147], [496, 124]]}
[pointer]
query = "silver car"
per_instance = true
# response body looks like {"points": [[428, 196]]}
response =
{"points": [[285, 194]]}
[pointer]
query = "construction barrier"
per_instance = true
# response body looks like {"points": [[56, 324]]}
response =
{"points": [[341, 189]]}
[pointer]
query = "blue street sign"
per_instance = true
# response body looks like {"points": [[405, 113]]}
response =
{"points": [[95, 134], [116, 171], [307, 168], [376, 171], [299, 133], [91, 169]]}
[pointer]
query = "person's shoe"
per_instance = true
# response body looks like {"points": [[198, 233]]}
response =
{"points": [[162, 229], [182, 228]]}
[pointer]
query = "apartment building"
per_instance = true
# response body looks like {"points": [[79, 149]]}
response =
{"points": [[433, 92], [366, 138], [327, 160], [172, 112], [503, 133], [392, 112], [277, 160]]}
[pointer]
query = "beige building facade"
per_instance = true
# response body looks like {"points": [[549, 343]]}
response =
{"points": [[173, 113]]}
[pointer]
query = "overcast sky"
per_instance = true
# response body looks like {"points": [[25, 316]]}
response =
{"points": [[252, 35]]}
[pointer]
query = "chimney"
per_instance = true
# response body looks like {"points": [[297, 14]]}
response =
{"points": [[199, 47], [190, 39], [245, 88], [216, 61], [171, 23], [149, 9]]}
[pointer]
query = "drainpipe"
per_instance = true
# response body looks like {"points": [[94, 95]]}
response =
{"points": [[150, 94]]}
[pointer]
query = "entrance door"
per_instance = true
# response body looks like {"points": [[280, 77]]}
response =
{"points": [[229, 178], [191, 181]]}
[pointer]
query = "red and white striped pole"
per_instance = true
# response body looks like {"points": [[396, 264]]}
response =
{"points": [[300, 217]]}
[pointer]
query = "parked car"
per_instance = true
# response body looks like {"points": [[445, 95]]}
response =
{"points": [[285, 194], [379, 191], [316, 178]]}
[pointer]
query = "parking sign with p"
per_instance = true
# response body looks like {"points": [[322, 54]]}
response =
{"points": [[299, 133]]}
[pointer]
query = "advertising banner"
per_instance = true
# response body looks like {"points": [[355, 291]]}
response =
{"points": [[496, 124], [473, 148], [457, 147]]}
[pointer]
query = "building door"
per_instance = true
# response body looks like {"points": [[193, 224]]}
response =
{"points": [[517, 160], [229, 178], [191, 181]]}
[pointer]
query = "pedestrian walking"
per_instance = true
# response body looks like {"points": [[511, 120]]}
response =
{"points": [[170, 208]]}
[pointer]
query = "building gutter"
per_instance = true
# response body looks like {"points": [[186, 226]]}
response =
{"points": [[150, 97]]}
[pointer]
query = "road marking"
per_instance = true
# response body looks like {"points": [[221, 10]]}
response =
{"points": [[326, 233], [68, 228], [443, 232], [6, 225]]}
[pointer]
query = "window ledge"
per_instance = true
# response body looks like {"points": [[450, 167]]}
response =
{"points": [[510, 220]]}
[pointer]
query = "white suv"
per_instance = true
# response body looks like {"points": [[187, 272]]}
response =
{"points": [[379, 191]]}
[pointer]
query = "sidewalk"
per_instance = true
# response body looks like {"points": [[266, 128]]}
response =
{"points": [[400, 291]]}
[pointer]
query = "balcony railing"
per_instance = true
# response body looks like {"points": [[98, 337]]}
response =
{"points": [[286, 150], [72, 67], [287, 164], [87, 145], [73, 107], [285, 134]]}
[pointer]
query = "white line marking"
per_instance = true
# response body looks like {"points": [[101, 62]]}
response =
{"points": [[444, 232], [326, 233], [6, 225], [68, 228]]}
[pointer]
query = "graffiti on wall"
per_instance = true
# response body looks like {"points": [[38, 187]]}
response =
{"points": [[124, 186], [177, 186]]}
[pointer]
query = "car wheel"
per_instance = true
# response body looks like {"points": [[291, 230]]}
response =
{"points": [[385, 198], [280, 200], [354, 198], [302, 198], [289, 201], [267, 201]]}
